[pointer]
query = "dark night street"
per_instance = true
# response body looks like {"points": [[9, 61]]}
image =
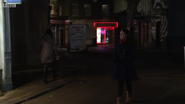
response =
{"points": [[87, 76], [97, 48]]}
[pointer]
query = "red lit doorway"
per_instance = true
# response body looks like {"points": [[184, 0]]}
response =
{"points": [[105, 32]]}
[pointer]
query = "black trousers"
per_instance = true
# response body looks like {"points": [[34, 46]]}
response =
{"points": [[120, 87], [54, 70]]}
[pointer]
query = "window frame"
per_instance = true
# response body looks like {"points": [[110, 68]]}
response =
{"points": [[106, 12], [73, 9], [87, 9]]}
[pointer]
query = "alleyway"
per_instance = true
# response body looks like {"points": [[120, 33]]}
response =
{"points": [[85, 78]]}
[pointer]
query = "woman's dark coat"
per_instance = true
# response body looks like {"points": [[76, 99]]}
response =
{"points": [[48, 49], [124, 66]]}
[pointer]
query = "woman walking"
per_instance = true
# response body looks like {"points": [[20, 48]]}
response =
{"points": [[124, 70], [49, 53]]}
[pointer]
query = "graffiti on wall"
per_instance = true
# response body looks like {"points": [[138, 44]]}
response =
{"points": [[160, 14]]}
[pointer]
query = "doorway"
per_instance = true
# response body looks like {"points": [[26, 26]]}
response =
{"points": [[105, 35], [58, 35]]}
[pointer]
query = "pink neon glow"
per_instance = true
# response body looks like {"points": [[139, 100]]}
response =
{"points": [[104, 36], [110, 28], [106, 23], [106, 28], [103, 32]]}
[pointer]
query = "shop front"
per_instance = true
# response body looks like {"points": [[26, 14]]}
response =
{"points": [[58, 29], [105, 32]]}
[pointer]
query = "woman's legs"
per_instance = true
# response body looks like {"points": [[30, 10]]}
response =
{"points": [[54, 70], [46, 65], [120, 92], [120, 88], [129, 91], [45, 72], [129, 86]]}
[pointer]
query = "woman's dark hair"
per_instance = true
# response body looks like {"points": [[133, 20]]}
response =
{"points": [[49, 31], [129, 36]]}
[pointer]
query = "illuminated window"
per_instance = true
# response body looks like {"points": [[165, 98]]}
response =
{"points": [[87, 10], [74, 10], [105, 10]]}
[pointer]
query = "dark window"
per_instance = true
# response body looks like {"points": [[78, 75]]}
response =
{"points": [[87, 9], [74, 9], [105, 10]]}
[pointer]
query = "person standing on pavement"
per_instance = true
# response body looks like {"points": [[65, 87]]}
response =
{"points": [[124, 70], [48, 53]]}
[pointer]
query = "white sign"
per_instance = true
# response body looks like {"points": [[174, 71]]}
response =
{"points": [[67, 20], [5, 5], [77, 36]]}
